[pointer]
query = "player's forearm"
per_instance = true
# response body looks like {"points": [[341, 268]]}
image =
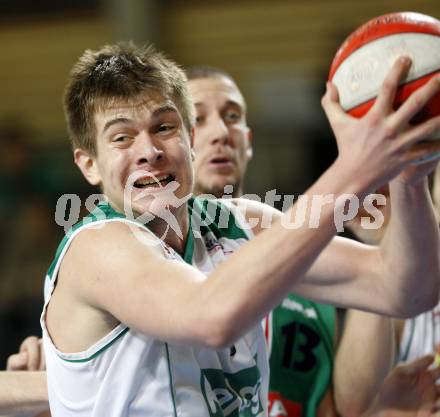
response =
{"points": [[410, 249], [23, 393], [364, 357], [265, 269]]}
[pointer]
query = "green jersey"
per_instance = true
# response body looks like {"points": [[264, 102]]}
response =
{"points": [[300, 335]]}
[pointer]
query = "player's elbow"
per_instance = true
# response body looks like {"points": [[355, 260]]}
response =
{"points": [[222, 337], [422, 304], [431, 300], [218, 341], [413, 304], [217, 330]]}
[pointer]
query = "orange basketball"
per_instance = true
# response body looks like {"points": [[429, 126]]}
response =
{"points": [[363, 60]]}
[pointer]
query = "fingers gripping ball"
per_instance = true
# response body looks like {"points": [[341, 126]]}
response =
{"points": [[363, 60]]}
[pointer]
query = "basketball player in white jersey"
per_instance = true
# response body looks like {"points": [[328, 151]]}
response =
{"points": [[410, 185], [220, 103]]}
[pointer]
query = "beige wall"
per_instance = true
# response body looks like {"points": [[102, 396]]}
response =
{"points": [[248, 38], [36, 57], [299, 34]]}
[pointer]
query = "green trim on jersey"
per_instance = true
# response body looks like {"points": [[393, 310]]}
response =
{"points": [[233, 373], [219, 219], [217, 216], [201, 209], [94, 355], [189, 245], [302, 354], [103, 211], [170, 374]]}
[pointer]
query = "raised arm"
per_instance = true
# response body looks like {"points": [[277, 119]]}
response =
{"points": [[406, 258], [410, 237], [410, 250], [165, 298]]}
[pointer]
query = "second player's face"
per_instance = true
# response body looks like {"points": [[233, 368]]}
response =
{"points": [[222, 139]]}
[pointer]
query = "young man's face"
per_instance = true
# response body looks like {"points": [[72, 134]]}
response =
{"points": [[222, 139], [142, 147]]}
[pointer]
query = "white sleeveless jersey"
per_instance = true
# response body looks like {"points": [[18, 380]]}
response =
{"points": [[421, 335], [128, 373]]}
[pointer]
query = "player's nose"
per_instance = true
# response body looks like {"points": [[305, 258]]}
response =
{"points": [[219, 131], [147, 150]]}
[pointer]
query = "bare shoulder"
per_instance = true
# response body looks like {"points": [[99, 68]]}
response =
{"points": [[98, 266], [258, 215], [112, 246]]}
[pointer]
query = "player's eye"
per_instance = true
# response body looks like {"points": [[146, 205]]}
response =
{"points": [[121, 139], [166, 127], [232, 116], [200, 119]]}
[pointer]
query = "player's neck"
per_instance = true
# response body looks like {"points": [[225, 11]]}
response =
{"points": [[219, 192], [174, 231]]}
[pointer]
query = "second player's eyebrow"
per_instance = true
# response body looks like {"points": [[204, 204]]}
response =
{"points": [[228, 103], [233, 103]]}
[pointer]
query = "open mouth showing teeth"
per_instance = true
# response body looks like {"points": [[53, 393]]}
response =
{"points": [[153, 181]]}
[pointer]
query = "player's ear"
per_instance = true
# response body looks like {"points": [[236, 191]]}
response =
{"points": [[88, 166], [249, 149]]}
